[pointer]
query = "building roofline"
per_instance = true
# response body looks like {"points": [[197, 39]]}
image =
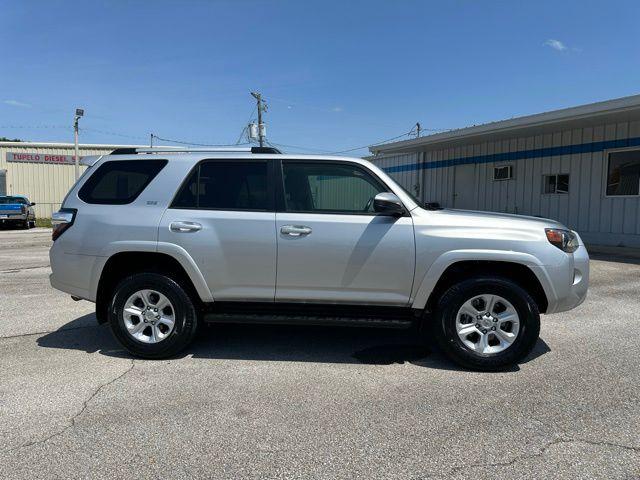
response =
{"points": [[86, 146], [539, 119]]}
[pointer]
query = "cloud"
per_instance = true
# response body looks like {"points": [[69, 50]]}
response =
{"points": [[337, 109], [555, 44], [16, 103]]}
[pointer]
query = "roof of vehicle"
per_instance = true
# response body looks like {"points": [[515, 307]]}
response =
{"points": [[14, 196], [197, 154]]}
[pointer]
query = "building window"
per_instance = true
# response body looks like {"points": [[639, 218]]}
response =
{"points": [[623, 173], [556, 183], [503, 172]]}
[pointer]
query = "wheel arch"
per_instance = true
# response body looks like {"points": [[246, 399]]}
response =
{"points": [[125, 263], [444, 274]]}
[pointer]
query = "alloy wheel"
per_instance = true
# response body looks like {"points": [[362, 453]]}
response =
{"points": [[149, 316], [487, 324]]}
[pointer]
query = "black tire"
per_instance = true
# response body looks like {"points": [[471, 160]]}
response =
{"points": [[446, 336], [186, 316]]}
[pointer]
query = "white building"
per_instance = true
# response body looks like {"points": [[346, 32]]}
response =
{"points": [[578, 165]]}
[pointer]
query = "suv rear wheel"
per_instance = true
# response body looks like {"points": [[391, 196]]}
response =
{"points": [[486, 323], [152, 316]]}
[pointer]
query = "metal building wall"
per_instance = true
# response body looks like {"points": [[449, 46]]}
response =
{"points": [[44, 184], [411, 180], [599, 219]]}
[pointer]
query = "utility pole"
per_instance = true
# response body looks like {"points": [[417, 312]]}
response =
{"points": [[151, 140], [79, 113], [262, 107], [418, 128]]}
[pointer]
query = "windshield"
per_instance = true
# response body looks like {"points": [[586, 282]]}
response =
{"points": [[7, 200]]}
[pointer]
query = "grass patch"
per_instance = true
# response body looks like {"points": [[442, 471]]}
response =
{"points": [[43, 222]]}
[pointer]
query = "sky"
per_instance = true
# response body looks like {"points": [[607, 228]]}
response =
{"points": [[336, 75]]}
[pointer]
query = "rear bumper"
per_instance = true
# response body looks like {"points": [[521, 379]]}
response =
{"points": [[70, 289], [12, 218], [71, 273]]}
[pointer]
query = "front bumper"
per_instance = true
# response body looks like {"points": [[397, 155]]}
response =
{"points": [[567, 284]]}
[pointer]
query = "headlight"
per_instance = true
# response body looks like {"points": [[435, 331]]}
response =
{"points": [[563, 239]]}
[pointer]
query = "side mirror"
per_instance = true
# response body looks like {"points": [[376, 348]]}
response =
{"points": [[387, 203], [32, 204]]}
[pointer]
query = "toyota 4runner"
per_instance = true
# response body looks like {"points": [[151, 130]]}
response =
{"points": [[164, 239]]}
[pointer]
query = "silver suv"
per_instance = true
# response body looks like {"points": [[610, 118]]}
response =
{"points": [[164, 239]]}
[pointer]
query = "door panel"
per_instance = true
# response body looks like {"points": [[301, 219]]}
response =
{"points": [[332, 247], [345, 259], [235, 251], [223, 217], [465, 187]]}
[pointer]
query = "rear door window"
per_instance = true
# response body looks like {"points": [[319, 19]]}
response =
{"points": [[120, 182], [224, 185]]}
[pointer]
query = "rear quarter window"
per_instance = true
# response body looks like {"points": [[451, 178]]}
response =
{"points": [[120, 182]]}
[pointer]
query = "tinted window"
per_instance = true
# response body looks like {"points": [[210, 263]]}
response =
{"points": [[556, 183], [226, 186], [119, 182], [8, 200], [329, 187], [623, 176]]}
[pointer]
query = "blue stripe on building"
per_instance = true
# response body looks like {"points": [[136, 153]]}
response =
{"points": [[521, 155]]}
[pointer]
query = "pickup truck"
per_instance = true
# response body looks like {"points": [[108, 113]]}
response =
{"points": [[17, 210]]}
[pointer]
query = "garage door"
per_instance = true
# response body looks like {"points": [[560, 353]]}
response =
{"points": [[3, 182]]}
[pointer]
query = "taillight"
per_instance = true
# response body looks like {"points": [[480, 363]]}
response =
{"points": [[62, 221]]}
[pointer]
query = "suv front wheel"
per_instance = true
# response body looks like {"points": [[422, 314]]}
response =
{"points": [[152, 316], [486, 323]]}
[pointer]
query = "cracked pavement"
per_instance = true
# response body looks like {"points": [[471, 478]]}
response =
{"points": [[293, 402]]}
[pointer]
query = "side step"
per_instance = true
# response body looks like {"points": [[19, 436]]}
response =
{"points": [[306, 314]]}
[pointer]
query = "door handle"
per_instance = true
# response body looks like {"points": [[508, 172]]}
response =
{"points": [[295, 230], [184, 227]]}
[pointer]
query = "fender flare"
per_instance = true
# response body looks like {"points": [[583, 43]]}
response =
{"points": [[174, 251], [444, 261]]}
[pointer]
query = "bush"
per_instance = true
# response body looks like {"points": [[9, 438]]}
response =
{"points": [[43, 222]]}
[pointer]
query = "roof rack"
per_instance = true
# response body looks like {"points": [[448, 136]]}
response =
{"points": [[133, 151]]}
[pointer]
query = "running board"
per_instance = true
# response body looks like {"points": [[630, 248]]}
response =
{"points": [[305, 314]]}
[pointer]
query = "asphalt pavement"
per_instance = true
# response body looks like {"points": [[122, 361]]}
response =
{"points": [[294, 402]]}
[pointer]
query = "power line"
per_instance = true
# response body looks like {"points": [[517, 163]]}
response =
{"points": [[114, 134], [246, 124], [310, 149], [196, 144], [36, 127], [373, 143], [346, 150]]}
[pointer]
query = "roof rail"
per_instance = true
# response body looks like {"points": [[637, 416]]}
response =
{"points": [[133, 151]]}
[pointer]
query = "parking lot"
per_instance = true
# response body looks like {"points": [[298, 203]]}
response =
{"points": [[292, 402]]}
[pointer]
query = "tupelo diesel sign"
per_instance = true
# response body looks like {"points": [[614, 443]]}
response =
{"points": [[28, 157]]}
